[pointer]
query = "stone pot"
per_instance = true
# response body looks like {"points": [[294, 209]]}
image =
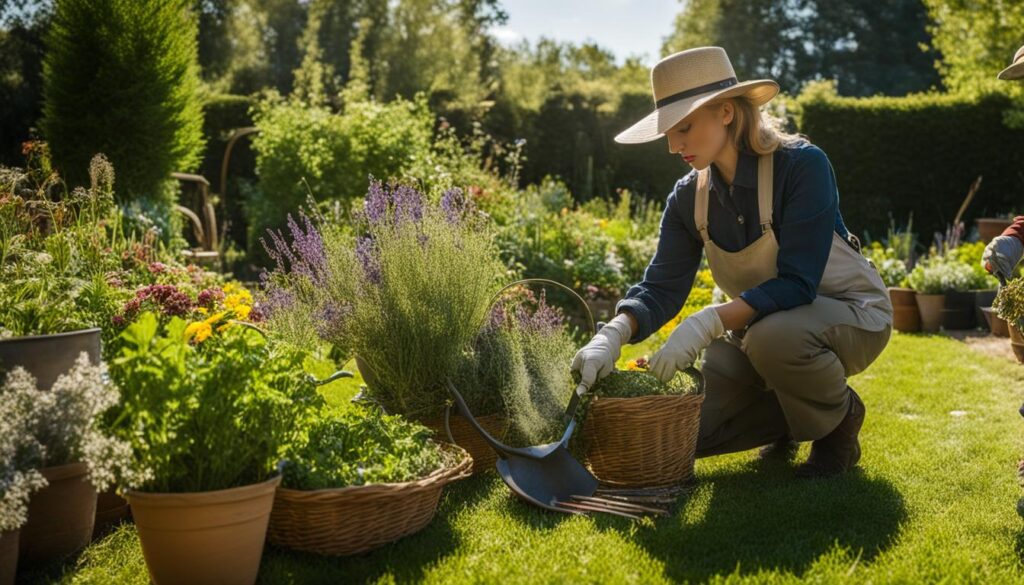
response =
{"points": [[48, 356], [930, 307]]}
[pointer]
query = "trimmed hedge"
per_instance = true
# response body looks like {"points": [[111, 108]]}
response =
{"points": [[919, 154]]}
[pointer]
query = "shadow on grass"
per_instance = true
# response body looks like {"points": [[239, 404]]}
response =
{"points": [[406, 560], [763, 518]]}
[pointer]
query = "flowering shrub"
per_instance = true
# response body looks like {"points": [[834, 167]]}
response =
{"points": [[358, 447], [66, 420], [891, 267], [939, 275], [20, 456], [407, 293]]}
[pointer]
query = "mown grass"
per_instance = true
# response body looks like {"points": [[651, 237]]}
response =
{"points": [[933, 501]]}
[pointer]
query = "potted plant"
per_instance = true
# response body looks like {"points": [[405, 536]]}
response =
{"points": [[361, 479], [76, 456], [640, 432], [406, 292], [20, 455], [1009, 305], [934, 278], [893, 271], [208, 407]]}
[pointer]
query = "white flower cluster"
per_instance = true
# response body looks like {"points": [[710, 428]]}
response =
{"points": [[19, 454], [65, 422]]}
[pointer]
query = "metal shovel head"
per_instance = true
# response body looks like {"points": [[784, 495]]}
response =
{"points": [[542, 475]]}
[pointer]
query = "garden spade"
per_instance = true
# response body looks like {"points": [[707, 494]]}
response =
{"points": [[548, 475]]}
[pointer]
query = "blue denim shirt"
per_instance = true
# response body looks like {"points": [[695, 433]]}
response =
{"points": [[805, 213]]}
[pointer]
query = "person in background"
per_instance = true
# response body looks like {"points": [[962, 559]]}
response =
{"points": [[1002, 254]]}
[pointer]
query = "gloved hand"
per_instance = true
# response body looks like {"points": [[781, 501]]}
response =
{"points": [[1002, 255], [692, 335], [597, 358]]}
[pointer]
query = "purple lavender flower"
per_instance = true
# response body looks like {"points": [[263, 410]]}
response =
{"points": [[275, 299], [367, 253], [331, 320], [408, 203], [305, 254], [543, 319], [453, 202], [375, 206], [496, 318]]}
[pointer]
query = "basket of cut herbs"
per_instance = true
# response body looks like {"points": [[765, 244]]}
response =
{"points": [[639, 431], [361, 479]]}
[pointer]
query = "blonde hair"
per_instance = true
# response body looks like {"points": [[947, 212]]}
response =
{"points": [[756, 130]]}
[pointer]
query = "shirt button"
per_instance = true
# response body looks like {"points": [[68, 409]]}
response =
{"points": [[739, 218]]}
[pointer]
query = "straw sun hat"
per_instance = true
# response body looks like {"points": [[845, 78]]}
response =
{"points": [[1016, 69], [685, 81]]}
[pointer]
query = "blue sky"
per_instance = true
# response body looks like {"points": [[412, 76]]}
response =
{"points": [[626, 27]]}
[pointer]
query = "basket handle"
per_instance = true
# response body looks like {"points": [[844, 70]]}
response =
{"points": [[586, 308]]}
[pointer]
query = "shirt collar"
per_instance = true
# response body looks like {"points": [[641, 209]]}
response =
{"points": [[746, 173]]}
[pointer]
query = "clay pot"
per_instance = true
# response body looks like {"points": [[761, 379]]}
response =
{"points": [[905, 316], [990, 227], [958, 311], [204, 537], [110, 509], [1017, 341], [930, 308], [60, 516], [48, 356], [8, 556], [996, 325]]}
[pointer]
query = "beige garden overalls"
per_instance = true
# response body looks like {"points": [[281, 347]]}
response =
{"points": [[787, 372]]}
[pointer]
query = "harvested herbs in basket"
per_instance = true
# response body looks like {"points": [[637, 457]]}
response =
{"points": [[635, 381], [361, 446]]}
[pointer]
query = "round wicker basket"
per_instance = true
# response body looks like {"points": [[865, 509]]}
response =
{"points": [[465, 436], [353, 520], [646, 441]]}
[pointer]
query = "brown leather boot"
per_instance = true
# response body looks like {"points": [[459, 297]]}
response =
{"points": [[782, 449], [838, 451]]}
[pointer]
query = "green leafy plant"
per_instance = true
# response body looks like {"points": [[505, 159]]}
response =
{"points": [[66, 421], [210, 415], [360, 446], [891, 266], [1009, 302], [637, 381]]}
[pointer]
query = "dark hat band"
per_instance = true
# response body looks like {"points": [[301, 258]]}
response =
{"points": [[709, 87]]}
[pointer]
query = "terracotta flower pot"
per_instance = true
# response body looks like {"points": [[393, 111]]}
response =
{"points": [[110, 509], [905, 316], [990, 227], [204, 537], [996, 325], [48, 356], [8, 556], [60, 516], [930, 307]]}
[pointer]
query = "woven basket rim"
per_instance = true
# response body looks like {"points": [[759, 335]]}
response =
{"points": [[443, 475], [652, 397]]}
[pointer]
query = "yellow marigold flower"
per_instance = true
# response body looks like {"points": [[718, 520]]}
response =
{"points": [[198, 331], [236, 299], [631, 365], [242, 312], [203, 310], [216, 317], [603, 223], [230, 288]]}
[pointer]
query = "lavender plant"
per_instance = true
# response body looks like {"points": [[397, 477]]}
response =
{"points": [[407, 292]]}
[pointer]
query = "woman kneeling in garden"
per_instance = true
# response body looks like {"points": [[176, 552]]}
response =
{"points": [[807, 309]]}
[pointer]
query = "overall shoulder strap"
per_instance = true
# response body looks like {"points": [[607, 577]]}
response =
{"points": [[700, 203], [765, 182]]}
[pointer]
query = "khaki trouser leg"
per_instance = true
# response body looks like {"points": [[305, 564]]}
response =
{"points": [[805, 354], [786, 375], [738, 412]]}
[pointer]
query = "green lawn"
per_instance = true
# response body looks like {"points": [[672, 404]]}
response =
{"points": [[934, 501]]}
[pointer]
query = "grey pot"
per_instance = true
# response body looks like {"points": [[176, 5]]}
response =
{"points": [[48, 356]]}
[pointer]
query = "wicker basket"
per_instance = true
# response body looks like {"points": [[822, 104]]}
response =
{"points": [[645, 441], [353, 520], [465, 436]]}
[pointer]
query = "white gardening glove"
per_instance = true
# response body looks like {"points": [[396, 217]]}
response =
{"points": [[1002, 254], [692, 335], [597, 358]]}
